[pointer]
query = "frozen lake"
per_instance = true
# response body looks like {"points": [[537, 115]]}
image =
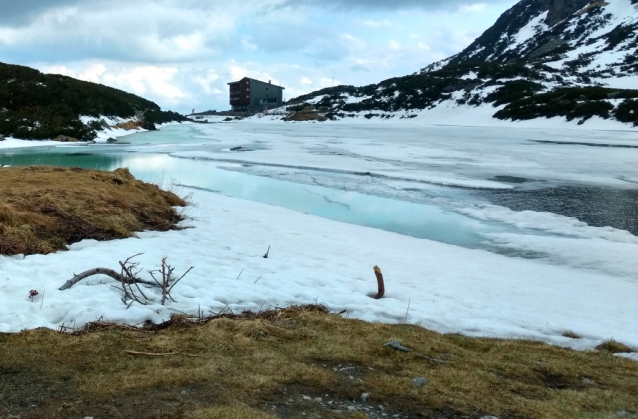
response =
{"points": [[449, 184], [535, 218]]}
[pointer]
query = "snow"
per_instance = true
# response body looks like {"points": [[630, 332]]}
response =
{"points": [[627, 82], [10, 142], [112, 132], [450, 289], [355, 99], [535, 26]]}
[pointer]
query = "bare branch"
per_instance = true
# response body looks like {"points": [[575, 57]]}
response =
{"points": [[96, 271], [132, 257], [180, 278]]}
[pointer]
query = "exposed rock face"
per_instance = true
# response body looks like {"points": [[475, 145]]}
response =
{"points": [[562, 9], [66, 139], [495, 43]]}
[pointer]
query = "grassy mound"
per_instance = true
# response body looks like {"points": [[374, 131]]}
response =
{"points": [[43, 209], [302, 362]]}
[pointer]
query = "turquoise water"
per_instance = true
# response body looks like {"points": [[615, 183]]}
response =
{"points": [[142, 154]]}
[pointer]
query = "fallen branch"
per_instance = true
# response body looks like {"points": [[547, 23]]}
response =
{"points": [[101, 271], [379, 275], [157, 354], [129, 277]]}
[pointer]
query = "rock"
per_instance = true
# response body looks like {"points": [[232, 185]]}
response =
{"points": [[365, 397], [65, 139], [587, 382], [625, 414], [471, 86], [352, 408], [489, 417], [561, 9], [395, 344], [1, 137], [306, 398], [420, 382]]}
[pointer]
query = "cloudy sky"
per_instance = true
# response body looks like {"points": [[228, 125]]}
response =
{"points": [[181, 53]]}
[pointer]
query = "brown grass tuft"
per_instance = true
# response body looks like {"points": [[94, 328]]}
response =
{"points": [[614, 347], [44, 208]]}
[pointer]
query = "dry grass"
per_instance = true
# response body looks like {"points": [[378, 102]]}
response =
{"points": [[261, 366], [309, 113], [614, 347], [129, 125], [43, 209], [571, 335]]}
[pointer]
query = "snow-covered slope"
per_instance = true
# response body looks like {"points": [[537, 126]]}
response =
{"points": [[596, 43], [575, 60]]}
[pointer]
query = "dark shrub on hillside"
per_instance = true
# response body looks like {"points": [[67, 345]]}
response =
{"points": [[298, 108], [619, 34], [572, 103], [38, 106], [627, 111], [513, 90]]}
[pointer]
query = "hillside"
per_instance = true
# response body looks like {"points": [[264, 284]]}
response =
{"points": [[34, 105], [574, 59]]}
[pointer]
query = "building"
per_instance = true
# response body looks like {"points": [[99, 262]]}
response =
{"points": [[250, 95]]}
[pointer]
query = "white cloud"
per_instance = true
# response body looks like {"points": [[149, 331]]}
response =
{"points": [[371, 23], [93, 73], [473, 8], [206, 82], [394, 45], [181, 53], [140, 80]]}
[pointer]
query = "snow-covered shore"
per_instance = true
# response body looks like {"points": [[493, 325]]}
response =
{"points": [[448, 288]]}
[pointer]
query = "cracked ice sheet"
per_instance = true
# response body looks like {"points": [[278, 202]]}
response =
{"points": [[445, 155], [449, 288]]}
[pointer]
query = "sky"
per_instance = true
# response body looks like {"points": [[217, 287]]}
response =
{"points": [[182, 53]]}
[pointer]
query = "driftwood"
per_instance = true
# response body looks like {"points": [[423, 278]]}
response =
{"points": [[129, 277], [101, 271], [379, 275], [157, 354]]}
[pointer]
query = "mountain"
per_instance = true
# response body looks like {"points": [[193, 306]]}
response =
{"points": [[576, 59], [34, 105]]}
